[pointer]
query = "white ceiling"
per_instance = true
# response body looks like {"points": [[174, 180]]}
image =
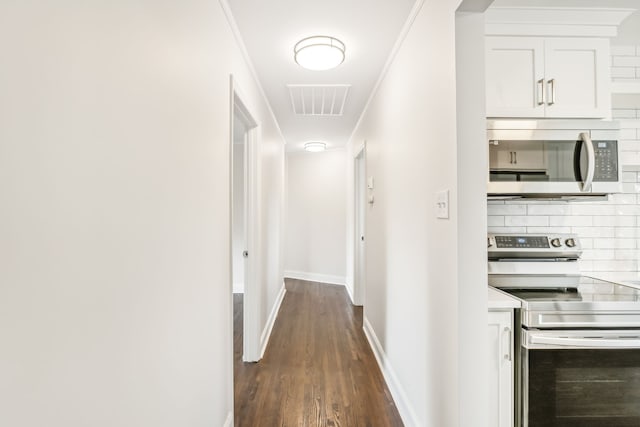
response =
{"points": [[270, 29], [369, 29]]}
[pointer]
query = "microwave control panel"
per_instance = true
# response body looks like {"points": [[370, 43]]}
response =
{"points": [[606, 160]]}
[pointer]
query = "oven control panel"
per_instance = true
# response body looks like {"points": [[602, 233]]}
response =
{"points": [[522, 241], [533, 246]]}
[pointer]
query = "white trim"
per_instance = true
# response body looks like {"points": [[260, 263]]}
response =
{"points": [[394, 51], [316, 277], [245, 54], [229, 421], [266, 332], [557, 30], [349, 287], [405, 409], [238, 288], [252, 208]]}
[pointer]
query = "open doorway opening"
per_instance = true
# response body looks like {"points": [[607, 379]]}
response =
{"points": [[360, 201], [244, 230]]}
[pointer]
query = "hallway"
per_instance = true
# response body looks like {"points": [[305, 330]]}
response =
{"points": [[318, 369]]}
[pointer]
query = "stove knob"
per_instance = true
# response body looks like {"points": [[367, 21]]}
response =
{"points": [[570, 243], [556, 243]]}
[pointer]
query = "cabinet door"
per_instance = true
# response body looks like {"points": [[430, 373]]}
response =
{"points": [[514, 76], [517, 156], [577, 78], [500, 382]]}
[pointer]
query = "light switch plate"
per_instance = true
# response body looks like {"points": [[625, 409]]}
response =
{"points": [[442, 204]]}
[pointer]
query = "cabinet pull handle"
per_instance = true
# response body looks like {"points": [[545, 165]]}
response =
{"points": [[515, 157], [511, 157], [507, 355], [541, 92], [552, 85]]}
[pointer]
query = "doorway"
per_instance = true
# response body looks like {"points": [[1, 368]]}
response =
{"points": [[244, 228], [360, 201]]}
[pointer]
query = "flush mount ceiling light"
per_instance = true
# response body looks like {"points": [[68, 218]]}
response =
{"points": [[315, 146], [319, 53]]}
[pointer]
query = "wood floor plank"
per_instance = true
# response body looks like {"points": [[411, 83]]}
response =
{"points": [[318, 369]]}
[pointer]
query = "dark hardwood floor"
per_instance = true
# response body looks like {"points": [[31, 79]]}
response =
{"points": [[318, 369]]}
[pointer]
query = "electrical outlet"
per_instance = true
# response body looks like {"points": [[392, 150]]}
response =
{"points": [[442, 204]]}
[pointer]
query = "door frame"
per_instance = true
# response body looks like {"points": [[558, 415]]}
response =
{"points": [[251, 300], [359, 221]]}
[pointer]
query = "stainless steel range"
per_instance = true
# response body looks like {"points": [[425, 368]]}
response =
{"points": [[577, 338]]}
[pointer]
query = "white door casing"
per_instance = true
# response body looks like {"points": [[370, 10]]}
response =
{"points": [[251, 252], [360, 202]]}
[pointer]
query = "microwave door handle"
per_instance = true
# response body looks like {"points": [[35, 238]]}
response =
{"points": [[578, 342], [591, 161]]}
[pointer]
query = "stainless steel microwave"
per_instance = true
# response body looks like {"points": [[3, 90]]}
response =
{"points": [[553, 158]]}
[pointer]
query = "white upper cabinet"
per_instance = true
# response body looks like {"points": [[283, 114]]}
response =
{"points": [[541, 77]]}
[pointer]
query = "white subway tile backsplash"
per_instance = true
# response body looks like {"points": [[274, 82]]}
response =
{"points": [[507, 230], [626, 232], [630, 145], [628, 134], [540, 209], [623, 73], [495, 221], [548, 230], [599, 254], [594, 231], [613, 243], [571, 221], [628, 209], [523, 220], [625, 113], [613, 221], [628, 254], [623, 50], [623, 199], [507, 209], [629, 176], [629, 124], [629, 158], [592, 209], [626, 61], [614, 266]]}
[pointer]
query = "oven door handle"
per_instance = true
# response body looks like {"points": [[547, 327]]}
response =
{"points": [[585, 342]]}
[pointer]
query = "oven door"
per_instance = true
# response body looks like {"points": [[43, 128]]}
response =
{"points": [[580, 378]]}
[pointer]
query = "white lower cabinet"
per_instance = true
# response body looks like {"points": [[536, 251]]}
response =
{"points": [[500, 384]]}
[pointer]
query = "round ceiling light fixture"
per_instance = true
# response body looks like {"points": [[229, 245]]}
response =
{"points": [[319, 53], [315, 146]]}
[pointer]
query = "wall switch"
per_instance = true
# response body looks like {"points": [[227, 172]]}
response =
{"points": [[442, 204], [370, 183]]}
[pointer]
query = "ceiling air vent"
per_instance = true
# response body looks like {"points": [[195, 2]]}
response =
{"points": [[318, 100]]}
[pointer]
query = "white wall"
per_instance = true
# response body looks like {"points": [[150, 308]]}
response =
{"points": [[115, 296], [411, 297], [472, 207], [316, 216]]}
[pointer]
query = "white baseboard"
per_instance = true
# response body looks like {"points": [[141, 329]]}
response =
{"points": [[315, 277], [405, 409], [266, 333], [349, 288], [238, 288], [229, 421]]}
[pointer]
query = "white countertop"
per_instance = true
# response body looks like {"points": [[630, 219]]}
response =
{"points": [[500, 300], [631, 279]]}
